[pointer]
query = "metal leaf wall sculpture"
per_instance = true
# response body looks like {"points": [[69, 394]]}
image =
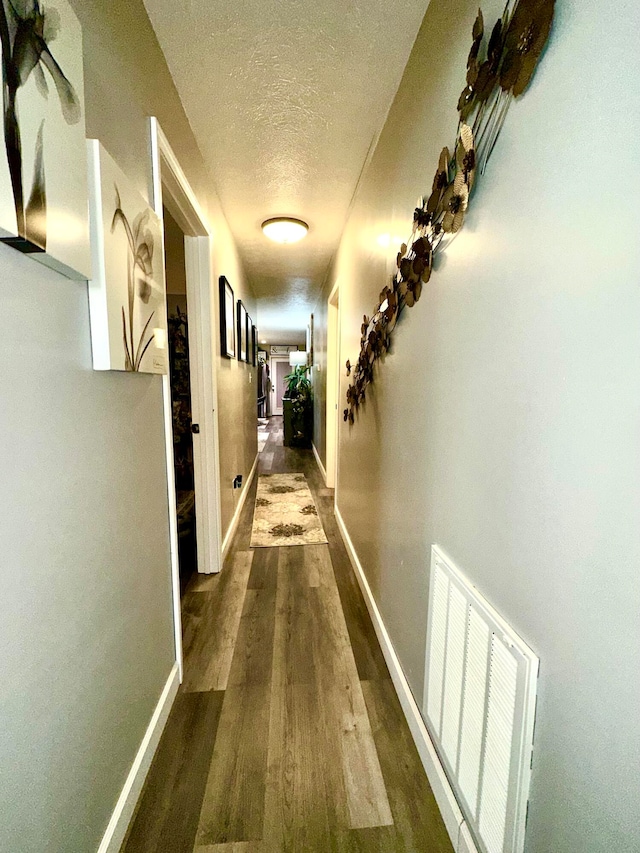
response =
{"points": [[499, 69]]}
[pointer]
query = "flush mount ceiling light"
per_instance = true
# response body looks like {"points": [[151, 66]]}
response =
{"points": [[283, 229]]}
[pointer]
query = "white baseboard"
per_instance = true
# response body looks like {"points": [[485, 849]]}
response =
{"points": [[319, 461], [445, 798], [236, 515], [125, 807]]}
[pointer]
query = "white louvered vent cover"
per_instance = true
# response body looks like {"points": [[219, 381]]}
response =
{"points": [[479, 704]]}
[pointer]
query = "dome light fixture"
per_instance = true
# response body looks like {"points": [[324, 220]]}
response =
{"points": [[284, 229]]}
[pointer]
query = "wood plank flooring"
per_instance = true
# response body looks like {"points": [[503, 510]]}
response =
{"points": [[287, 734]]}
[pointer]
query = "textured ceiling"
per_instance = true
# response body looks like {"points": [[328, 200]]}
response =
{"points": [[285, 98]]}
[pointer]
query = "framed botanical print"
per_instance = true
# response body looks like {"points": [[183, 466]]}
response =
{"points": [[227, 319], [44, 210], [127, 303], [242, 331]]}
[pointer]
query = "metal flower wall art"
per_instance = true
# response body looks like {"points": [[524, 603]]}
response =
{"points": [[126, 293], [499, 68], [43, 184]]}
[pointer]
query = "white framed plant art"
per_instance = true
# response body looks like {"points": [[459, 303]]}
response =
{"points": [[43, 161], [127, 300]]}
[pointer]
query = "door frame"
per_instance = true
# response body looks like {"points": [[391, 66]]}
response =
{"points": [[171, 187], [272, 374], [332, 429]]}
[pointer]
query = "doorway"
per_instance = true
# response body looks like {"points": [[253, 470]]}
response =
{"points": [[333, 386], [171, 190], [180, 382], [280, 367]]}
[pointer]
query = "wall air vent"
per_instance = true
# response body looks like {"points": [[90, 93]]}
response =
{"points": [[479, 706]]}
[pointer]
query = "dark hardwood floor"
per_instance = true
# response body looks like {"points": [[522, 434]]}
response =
{"points": [[287, 734]]}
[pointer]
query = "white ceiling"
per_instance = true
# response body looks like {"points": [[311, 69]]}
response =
{"points": [[285, 98]]}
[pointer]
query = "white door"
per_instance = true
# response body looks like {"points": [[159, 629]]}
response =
{"points": [[280, 367]]}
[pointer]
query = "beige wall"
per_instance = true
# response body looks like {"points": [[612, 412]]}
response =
{"points": [[86, 631], [120, 97], [504, 423], [237, 401]]}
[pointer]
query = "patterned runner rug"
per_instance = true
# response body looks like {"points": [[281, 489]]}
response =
{"points": [[285, 513]]}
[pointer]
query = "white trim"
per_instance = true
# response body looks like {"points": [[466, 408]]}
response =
{"points": [[319, 461], [440, 786], [236, 515], [204, 405], [127, 801], [185, 202]]}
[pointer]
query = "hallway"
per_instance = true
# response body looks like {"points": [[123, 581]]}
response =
{"points": [[287, 734]]}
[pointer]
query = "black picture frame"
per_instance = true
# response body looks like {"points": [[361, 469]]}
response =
{"points": [[254, 345], [227, 319], [249, 357], [243, 348]]}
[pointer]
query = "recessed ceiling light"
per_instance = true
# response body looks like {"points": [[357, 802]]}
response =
{"points": [[283, 229]]}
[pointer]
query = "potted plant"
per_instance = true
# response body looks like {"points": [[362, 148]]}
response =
{"points": [[297, 407]]}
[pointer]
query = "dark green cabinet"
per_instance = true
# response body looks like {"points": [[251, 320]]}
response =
{"points": [[298, 426]]}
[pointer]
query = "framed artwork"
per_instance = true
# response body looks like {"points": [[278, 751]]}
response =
{"points": [[127, 301], [254, 343], [249, 340], [311, 341], [43, 154], [242, 331], [227, 319]]}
